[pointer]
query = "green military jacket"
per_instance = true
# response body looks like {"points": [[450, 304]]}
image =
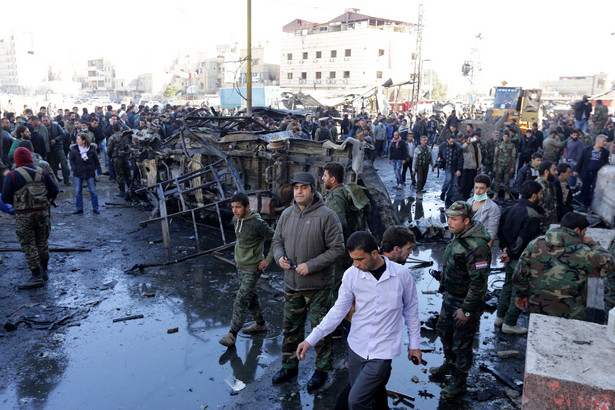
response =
{"points": [[548, 203], [114, 146], [552, 272], [337, 202], [505, 155], [467, 264], [609, 284], [488, 153]]}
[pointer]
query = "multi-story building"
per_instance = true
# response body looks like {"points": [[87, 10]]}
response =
{"points": [[576, 85], [263, 73], [21, 68], [351, 50], [101, 76]]}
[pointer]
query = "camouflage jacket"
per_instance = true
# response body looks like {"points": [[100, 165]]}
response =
{"points": [[468, 259], [609, 284], [601, 114], [488, 152], [552, 272], [505, 155], [337, 202], [548, 203]]}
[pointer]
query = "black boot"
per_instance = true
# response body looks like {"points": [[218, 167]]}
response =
{"points": [[36, 281], [44, 264]]}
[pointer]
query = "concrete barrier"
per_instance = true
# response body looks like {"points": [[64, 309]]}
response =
{"points": [[569, 364]]}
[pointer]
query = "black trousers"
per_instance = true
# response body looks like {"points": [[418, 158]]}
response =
{"points": [[467, 182]]}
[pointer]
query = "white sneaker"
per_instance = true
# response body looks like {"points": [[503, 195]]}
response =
{"points": [[499, 321], [513, 330]]}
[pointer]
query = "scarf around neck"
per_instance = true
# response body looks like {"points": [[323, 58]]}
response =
{"points": [[83, 152], [396, 141]]}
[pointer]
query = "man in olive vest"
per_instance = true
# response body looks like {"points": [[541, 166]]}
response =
{"points": [[29, 189]]}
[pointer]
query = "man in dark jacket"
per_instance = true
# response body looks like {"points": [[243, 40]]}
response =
{"points": [[57, 157], [29, 189], [529, 171], [563, 192], [529, 145], [450, 159], [519, 225], [593, 158], [582, 110], [307, 241], [38, 142]]}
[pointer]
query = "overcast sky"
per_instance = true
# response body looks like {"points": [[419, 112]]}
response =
{"points": [[523, 41]]}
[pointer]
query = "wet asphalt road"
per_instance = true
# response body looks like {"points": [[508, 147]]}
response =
{"points": [[88, 361]]}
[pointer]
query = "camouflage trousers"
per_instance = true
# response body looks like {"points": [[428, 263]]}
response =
{"points": [[506, 303], [246, 299], [502, 175], [33, 230], [122, 173], [457, 340], [296, 306]]}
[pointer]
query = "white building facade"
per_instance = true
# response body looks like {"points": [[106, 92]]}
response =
{"points": [[352, 50], [21, 65]]}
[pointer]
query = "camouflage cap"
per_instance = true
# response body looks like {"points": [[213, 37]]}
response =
{"points": [[460, 208]]}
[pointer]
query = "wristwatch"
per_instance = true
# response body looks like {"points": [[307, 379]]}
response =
{"points": [[467, 314]]}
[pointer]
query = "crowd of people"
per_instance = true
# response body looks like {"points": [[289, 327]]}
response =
{"points": [[333, 267]]}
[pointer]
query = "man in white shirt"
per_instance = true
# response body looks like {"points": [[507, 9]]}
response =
{"points": [[383, 292]]}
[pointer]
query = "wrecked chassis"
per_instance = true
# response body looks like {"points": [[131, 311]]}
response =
{"points": [[196, 171]]}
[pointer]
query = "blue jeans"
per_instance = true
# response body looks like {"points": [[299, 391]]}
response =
{"points": [[397, 167], [79, 192], [582, 125], [573, 180], [449, 188], [431, 136], [103, 148]]}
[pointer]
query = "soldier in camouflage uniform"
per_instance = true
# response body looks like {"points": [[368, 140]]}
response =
{"points": [[488, 153], [31, 213], [551, 276], [464, 282], [504, 165], [251, 232], [335, 200], [549, 200], [117, 152], [601, 114], [307, 241], [420, 165]]}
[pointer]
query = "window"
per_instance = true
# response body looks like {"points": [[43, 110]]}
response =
{"points": [[304, 76], [255, 61], [289, 56], [305, 56], [380, 52], [319, 54], [289, 76], [331, 74], [347, 52], [318, 75], [333, 53], [346, 74], [378, 74]]}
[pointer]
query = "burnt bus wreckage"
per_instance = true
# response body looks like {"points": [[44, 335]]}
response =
{"points": [[192, 175]]}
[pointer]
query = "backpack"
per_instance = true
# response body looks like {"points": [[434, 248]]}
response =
{"points": [[33, 195], [358, 207]]}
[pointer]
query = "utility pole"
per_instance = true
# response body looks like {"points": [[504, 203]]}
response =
{"points": [[249, 61], [416, 76]]}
